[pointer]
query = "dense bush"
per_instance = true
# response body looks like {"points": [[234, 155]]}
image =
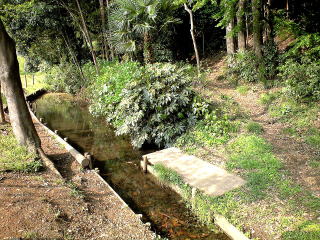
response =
{"points": [[107, 87], [152, 103], [157, 107], [66, 78], [301, 68], [302, 79], [246, 67], [243, 66]]}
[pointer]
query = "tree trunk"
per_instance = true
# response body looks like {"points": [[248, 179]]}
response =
{"points": [[241, 25], [2, 116], [192, 36], [231, 47], [257, 28], [103, 28], [20, 118], [112, 55], [86, 32], [147, 48]]}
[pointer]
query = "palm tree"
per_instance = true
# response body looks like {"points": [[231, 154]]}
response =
{"points": [[134, 20]]}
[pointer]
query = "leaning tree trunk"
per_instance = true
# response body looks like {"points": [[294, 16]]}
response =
{"points": [[193, 36], [257, 28], [2, 116], [20, 118], [241, 25]]}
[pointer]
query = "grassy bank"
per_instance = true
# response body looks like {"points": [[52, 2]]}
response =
{"points": [[14, 157]]}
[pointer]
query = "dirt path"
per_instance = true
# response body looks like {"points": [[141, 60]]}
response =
{"points": [[42, 206], [294, 153]]}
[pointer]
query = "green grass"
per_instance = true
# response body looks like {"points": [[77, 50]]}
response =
{"points": [[315, 163], [35, 85], [254, 127], [75, 191], [268, 98], [307, 230], [243, 90], [14, 157], [314, 138]]}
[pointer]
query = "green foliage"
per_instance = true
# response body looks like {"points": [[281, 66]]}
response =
{"points": [[306, 45], [268, 98], [243, 66], [132, 20], [243, 90], [157, 107], [107, 88], [302, 79], [306, 231], [314, 138], [14, 157], [254, 127], [213, 130], [168, 175], [254, 155], [65, 78]]}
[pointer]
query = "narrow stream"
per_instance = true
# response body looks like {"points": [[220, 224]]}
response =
{"points": [[119, 165]]}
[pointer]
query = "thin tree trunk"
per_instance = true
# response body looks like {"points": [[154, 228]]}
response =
{"points": [[257, 28], [88, 37], [20, 118], [192, 36], [2, 116], [73, 56], [103, 28], [241, 25], [112, 55]]}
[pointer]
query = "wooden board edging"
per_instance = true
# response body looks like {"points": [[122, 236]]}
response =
{"points": [[84, 162]]}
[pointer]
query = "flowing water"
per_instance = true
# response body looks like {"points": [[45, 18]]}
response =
{"points": [[119, 165]]}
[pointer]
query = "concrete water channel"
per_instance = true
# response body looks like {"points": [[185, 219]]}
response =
{"points": [[119, 164]]}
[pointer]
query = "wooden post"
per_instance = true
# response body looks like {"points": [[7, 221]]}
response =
{"points": [[25, 79], [89, 157], [32, 79], [145, 164]]}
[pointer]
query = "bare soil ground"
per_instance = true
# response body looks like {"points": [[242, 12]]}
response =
{"points": [[80, 206]]}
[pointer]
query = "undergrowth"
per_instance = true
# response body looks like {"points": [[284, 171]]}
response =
{"points": [[14, 157]]}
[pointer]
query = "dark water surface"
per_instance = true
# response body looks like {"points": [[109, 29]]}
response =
{"points": [[119, 165]]}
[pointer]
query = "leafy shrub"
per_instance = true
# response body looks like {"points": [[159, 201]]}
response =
{"points": [[157, 107], [107, 88], [244, 66], [66, 78], [302, 79], [306, 45]]}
